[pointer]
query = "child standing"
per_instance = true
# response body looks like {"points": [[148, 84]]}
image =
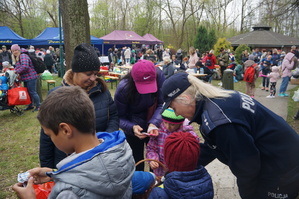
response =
{"points": [[274, 76], [184, 179], [250, 75], [266, 69], [100, 165], [155, 147]]}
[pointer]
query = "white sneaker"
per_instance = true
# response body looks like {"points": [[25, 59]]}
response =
{"points": [[270, 96], [220, 84]]}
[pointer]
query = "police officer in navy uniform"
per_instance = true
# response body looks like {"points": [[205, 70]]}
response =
{"points": [[259, 147]]}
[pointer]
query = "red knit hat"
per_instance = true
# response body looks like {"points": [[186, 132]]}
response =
{"points": [[181, 152]]}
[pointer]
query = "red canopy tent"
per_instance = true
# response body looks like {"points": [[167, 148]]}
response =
{"points": [[151, 38]]}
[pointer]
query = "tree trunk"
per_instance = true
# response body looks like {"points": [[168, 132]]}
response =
{"points": [[242, 16], [75, 22]]}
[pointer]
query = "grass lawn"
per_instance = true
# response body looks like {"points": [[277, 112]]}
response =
{"points": [[19, 137]]}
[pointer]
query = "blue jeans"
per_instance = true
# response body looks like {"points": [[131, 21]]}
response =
{"points": [[211, 77], [266, 82], [284, 84], [54, 68], [31, 86]]}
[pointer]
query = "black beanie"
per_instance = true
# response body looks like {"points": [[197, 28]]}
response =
{"points": [[85, 59]]}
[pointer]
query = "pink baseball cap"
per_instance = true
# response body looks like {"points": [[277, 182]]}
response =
{"points": [[144, 76]]}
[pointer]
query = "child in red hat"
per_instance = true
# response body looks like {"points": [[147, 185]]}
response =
{"points": [[184, 179], [155, 147]]}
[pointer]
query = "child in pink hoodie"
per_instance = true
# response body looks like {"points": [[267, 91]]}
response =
{"points": [[274, 76]]}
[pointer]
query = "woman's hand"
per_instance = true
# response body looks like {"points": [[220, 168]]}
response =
{"points": [[25, 192], [138, 132], [152, 130], [39, 175], [154, 164]]}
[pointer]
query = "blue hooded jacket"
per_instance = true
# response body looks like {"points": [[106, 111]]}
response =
{"points": [[195, 184]]}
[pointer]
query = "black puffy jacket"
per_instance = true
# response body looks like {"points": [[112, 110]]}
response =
{"points": [[106, 120]]}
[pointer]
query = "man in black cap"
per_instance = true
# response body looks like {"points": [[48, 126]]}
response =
{"points": [[6, 55]]}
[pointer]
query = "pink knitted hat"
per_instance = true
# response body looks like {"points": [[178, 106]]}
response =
{"points": [[15, 47]]}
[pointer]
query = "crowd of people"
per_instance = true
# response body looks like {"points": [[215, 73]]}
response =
{"points": [[168, 60], [49, 56], [83, 151], [272, 65], [214, 66], [20, 61]]}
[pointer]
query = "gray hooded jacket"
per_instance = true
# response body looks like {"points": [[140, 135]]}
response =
{"points": [[100, 173]]}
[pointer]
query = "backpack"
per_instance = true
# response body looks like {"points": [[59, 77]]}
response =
{"points": [[208, 62], [249, 74], [38, 63]]}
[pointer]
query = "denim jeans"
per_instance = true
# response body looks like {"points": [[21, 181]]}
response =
{"points": [[266, 82], [31, 86], [284, 84], [54, 68], [211, 77]]}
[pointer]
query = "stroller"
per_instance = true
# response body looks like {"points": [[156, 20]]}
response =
{"points": [[8, 81]]}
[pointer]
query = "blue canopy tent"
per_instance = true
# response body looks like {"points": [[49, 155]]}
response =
{"points": [[9, 37], [50, 36]]}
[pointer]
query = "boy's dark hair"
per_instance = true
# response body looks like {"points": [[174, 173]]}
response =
{"points": [[199, 63], [68, 104]]}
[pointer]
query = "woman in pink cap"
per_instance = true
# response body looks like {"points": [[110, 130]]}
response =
{"points": [[139, 101]]}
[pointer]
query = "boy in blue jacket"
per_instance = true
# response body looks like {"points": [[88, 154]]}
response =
{"points": [[91, 171], [184, 180]]}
